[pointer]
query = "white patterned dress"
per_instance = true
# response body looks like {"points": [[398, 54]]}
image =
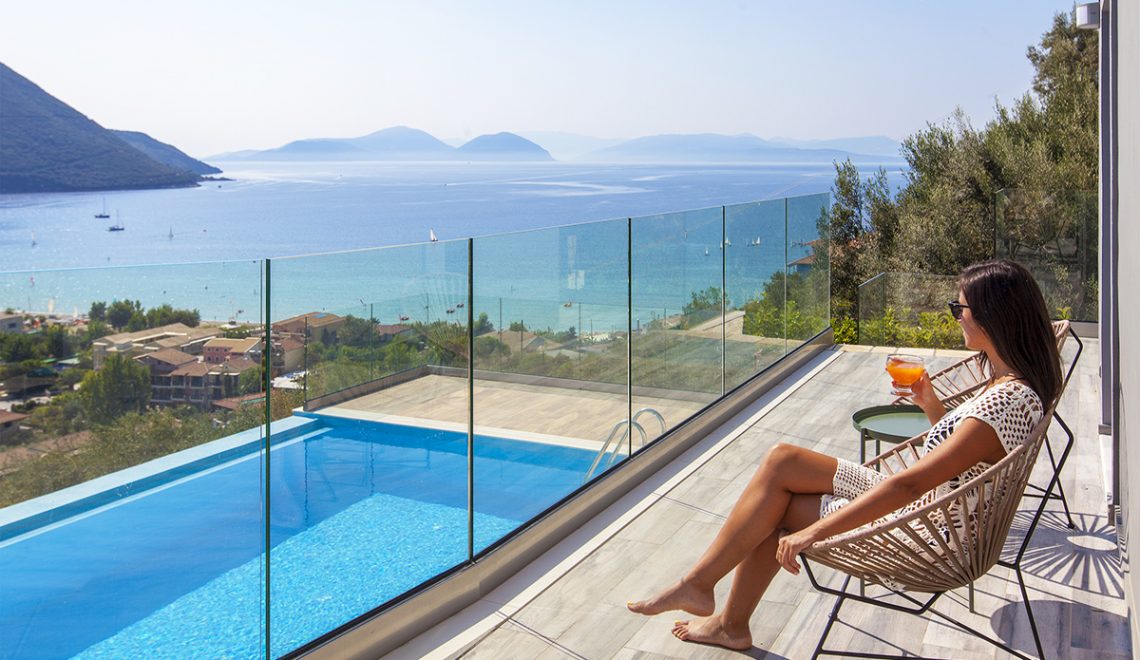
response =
{"points": [[1011, 408]]}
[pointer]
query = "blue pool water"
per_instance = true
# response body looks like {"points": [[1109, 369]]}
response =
{"points": [[360, 512]]}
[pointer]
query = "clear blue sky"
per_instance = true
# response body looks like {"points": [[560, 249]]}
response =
{"points": [[214, 76]]}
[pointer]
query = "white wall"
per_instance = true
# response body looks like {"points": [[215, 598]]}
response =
{"points": [[1128, 271]]}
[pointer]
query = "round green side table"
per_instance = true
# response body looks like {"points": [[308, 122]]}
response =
{"points": [[887, 424]]}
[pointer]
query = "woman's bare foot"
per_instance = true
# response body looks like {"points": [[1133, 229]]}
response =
{"points": [[681, 596], [709, 630]]}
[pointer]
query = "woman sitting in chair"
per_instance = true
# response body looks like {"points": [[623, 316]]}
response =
{"points": [[798, 496]]}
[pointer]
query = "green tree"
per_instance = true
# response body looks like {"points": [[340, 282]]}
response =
{"points": [[57, 342], [357, 332], [95, 330], [137, 322], [17, 347], [119, 313], [98, 311], [165, 315], [121, 386], [399, 355], [483, 324], [251, 380], [702, 306]]}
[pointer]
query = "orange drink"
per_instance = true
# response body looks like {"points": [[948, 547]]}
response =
{"points": [[904, 371]]}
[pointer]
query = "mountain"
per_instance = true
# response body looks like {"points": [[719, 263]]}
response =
{"points": [[314, 149], [403, 143], [399, 143], [568, 146], [714, 148], [48, 146], [502, 146], [876, 145], [165, 153]]}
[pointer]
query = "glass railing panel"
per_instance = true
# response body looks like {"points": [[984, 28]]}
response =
{"points": [[807, 311], [1054, 233], [131, 448], [677, 340], [908, 309], [369, 480], [755, 258], [551, 360]]}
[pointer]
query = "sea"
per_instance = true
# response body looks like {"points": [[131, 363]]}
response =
{"points": [[551, 249]]}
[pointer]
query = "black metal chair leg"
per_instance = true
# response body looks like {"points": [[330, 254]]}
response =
{"points": [[831, 619], [1029, 611], [1057, 471]]}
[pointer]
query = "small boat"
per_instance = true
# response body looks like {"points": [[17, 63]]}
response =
{"points": [[171, 234], [431, 236], [459, 304], [116, 227], [33, 239], [103, 215], [450, 310], [567, 305], [404, 318]]}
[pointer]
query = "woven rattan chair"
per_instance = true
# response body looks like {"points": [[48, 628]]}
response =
{"points": [[960, 381], [909, 554]]}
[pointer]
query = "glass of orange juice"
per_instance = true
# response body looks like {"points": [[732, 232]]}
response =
{"points": [[904, 371]]}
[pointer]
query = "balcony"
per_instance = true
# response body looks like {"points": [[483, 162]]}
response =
{"points": [[570, 603], [461, 406]]}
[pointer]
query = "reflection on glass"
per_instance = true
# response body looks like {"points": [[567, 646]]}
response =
{"points": [[908, 309], [808, 273], [1054, 233], [369, 483], [677, 316], [755, 256], [137, 480], [131, 520], [551, 362]]}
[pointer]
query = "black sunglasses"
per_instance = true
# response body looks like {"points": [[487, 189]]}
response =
{"points": [[956, 309]]}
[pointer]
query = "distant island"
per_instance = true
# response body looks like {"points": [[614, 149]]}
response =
{"points": [[403, 144], [715, 148], [48, 146]]}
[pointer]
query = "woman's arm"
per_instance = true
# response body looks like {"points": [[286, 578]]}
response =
{"points": [[925, 398], [972, 442]]}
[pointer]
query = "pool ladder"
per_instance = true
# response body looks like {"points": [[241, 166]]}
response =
{"points": [[625, 426]]}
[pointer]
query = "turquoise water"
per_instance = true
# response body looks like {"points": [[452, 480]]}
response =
{"points": [[289, 209], [360, 512], [277, 209]]}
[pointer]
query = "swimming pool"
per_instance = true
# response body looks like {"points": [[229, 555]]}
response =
{"points": [[360, 512]]}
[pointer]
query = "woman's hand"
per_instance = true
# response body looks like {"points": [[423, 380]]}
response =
{"points": [[924, 397], [791, 545]]}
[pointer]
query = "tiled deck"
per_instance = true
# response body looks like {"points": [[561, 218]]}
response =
{"points": [[571, 602]]}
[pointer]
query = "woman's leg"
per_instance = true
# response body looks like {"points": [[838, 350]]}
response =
{"points": [[729, 628], [787, 470]]}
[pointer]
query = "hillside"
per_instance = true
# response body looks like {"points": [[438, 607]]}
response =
{"points": [[503, 146], [47, 146], [164, 153]]}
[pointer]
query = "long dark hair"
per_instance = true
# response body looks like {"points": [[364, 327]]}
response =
{"points": [[1007, 304]]}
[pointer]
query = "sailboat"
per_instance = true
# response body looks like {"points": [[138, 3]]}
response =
{"points": [[103, 215], [431, 236], [118, 226], [171, 234], [33, 239]]}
